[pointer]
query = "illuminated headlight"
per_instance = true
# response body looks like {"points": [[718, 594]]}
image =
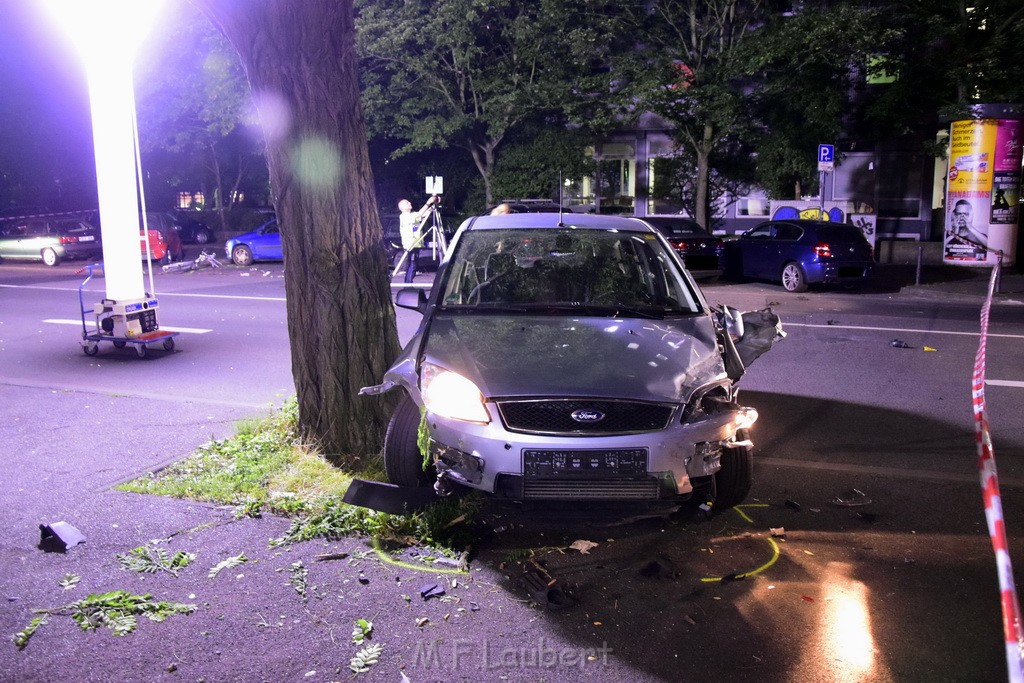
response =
{"points": [[449, 394], [745, 418]]}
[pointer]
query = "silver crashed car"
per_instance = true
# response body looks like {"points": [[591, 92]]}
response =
{"points": [[572, 358]]}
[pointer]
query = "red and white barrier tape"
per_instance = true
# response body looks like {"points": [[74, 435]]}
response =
{"points": [[1012, 630]]}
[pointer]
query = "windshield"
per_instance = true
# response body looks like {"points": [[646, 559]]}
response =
{"points": [[604, 271]]}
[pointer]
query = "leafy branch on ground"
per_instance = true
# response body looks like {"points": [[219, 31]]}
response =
{"points": [[69, 581], [361, 630], [146, 560], [229, 563], [267, 467], [366, 658], [117, 610], [297, 575]]}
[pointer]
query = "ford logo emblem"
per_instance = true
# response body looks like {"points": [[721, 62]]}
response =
{"points": [[587, 415]]}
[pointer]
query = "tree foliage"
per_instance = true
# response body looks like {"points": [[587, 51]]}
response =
{"points": [[686, 71], [467, 73], [195, 110]]}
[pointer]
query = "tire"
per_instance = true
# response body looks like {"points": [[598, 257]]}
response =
{"points": [[118, 344], [403, 462], [169, 344], [733, 480], [50, 257], [793, 278], [141, 350], [202, 237], [91, 349], [241, 255]]}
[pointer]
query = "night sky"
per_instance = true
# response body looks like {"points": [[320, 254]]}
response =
{"points": [[45, 133]]}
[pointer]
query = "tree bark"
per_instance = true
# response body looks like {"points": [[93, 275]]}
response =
{"points": [[300, 61]]}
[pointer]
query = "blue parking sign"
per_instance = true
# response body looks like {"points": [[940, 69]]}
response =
{"points": [[826, 153]]}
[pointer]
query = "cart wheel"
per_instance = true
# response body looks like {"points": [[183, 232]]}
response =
{"points": [[141, 350], [119, 344], [91, 349], [169, 344]]}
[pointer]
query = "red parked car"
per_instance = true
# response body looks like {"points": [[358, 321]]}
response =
{"points": [[164, 239]]}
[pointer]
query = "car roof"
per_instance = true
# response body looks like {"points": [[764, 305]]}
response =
{"points": [[554, 220]]}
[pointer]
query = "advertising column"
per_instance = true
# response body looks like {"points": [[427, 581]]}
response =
{"points": [[983, 188]]}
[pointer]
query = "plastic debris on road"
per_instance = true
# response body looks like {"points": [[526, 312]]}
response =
{"points": [[583, 546]]}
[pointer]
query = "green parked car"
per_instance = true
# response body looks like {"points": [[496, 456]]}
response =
{"points": [[49, 240]]}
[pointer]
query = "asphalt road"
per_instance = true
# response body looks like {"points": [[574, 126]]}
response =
{"points": [[902, 588]]}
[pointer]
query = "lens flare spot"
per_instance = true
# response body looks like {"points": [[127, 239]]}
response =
{"points": [[317, 164]]}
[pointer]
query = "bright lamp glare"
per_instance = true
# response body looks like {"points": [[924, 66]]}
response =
{"points": [[746, 418], [107, 34], [111, 29], [449, 394]]}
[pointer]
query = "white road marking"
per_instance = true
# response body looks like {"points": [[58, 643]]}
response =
{"points": [[1005, 383], [904, 330], [887, 472], [159, 295], [190, 330]]}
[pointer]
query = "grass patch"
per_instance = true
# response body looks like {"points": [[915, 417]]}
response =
{"points": [[267, 468]]}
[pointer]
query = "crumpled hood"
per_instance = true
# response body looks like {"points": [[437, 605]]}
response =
{"points": [[638, 359]]}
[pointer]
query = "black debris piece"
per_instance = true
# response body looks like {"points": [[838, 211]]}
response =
{"points": [[900, 344], [431, 590], [793, 505], [58, 537]]}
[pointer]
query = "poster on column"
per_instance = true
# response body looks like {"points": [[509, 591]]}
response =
{"points": [[983, 191]]}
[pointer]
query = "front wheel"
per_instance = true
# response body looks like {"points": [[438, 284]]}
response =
{"points": [[403, 462], [733, 480], [169, 344], [202, 237], [793, 278], [241, 255]]}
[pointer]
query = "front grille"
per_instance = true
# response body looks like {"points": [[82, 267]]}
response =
{"points": [[555, 416], [569, 489]]}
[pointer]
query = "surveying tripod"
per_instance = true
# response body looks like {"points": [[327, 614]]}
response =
{"points": [[432, 235]]}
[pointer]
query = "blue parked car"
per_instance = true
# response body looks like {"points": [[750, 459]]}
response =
{"points": [[798, 253], [262, 244]]}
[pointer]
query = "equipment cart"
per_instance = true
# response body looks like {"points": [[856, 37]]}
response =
{"points": [[122, 324]]}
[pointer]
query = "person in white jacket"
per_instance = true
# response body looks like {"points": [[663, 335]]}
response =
{"points": [[409, 229]]}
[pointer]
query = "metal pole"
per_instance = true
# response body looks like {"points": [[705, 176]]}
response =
{"points": [[821, 191], [921, 251]]}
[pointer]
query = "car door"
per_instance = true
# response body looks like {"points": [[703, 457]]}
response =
{"points": [[786, 247], [25, 240], [755, 245], [267, 245]]}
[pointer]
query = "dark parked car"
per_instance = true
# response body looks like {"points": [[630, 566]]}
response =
{"points": [[798, 253], [429, 256], [529, 206], [49, 240], [572, 358], [191, 229], [262, 244], [700, 250]]}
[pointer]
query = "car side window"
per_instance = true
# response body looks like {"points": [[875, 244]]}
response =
{"points": [[787, 232], [761, 232]]}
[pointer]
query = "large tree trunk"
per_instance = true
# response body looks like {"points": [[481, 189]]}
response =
{"points": [[301, 64]]}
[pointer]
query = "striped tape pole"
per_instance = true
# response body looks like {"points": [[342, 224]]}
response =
{"points": [[1012, 632]]}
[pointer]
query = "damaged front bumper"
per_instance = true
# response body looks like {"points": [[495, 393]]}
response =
{"points": [[664, 464]]}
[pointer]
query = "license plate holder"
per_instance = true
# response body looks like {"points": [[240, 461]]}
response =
{"points": [[629, 462]]}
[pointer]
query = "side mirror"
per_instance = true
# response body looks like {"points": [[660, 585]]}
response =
{"points": [[413, 299], [732, 320]]}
